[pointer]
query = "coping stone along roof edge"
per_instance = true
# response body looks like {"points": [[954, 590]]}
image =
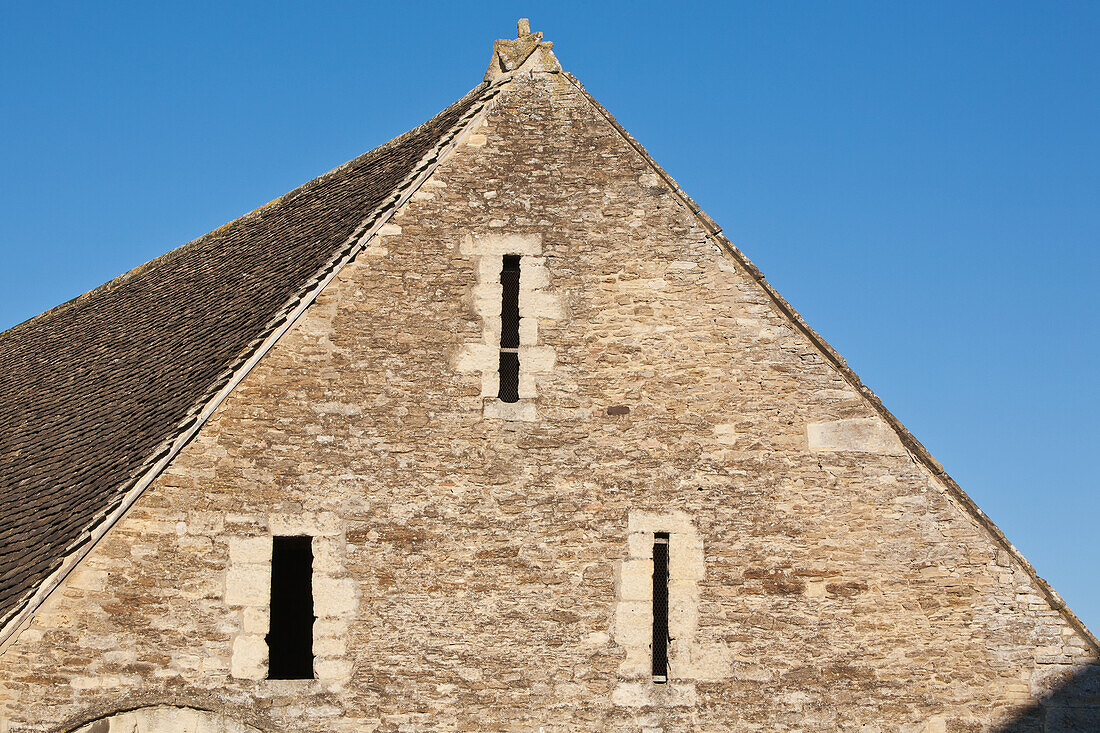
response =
{"points": [[258, 211], [915, 448], [197, 416]]}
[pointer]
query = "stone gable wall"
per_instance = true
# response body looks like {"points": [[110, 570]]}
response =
{"points": [[482, 573]]}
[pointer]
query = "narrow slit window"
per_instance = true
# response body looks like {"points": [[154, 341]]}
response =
{"points": [[660, 607], [290, 639], [509, 330]]}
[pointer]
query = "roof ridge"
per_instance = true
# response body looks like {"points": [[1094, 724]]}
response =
{"points": [[285, 198], [915, 448]]}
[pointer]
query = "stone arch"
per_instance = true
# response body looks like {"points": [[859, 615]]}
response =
{"points": [[165, 719]]}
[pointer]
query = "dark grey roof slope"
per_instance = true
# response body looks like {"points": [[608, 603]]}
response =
{"points": [[92, 391]]}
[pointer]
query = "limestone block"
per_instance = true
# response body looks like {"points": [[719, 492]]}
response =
{"points": [[685, 558], [674, 522], [336, 408], [248, 585], [476, 140], [389, 229], [477, 357], [631, 694], [935, 724], [635, 581], [312, 524], [328, 555], [501, 244], [329, 646], [533, 274], [332, 669], [528, 387], [815, 589], [726, 434], [99, 641], [709, 662], [864, 435], [528, 331], [536, 358], [196, 544], [841, 395], [86, 579], [646, 694], [488, 296], [490, 383], [640, 544], [490, 331], [752, 672], [249, 660], [255, 620], [215, 665], [334, 596], [245, 550], [489, 267], [520, 411], [634, 623], [638, 662], [329, 627], [541, 304], [683, 611]]}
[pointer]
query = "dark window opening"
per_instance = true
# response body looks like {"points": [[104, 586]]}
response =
{"points": [[509, 306], [509, 377], [509, 330], [290, 639], [660, 607]]}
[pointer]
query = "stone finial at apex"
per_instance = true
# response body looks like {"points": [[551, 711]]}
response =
{"points": [[527, 53]]}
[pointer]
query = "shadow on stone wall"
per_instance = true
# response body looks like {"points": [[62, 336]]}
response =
{"points": [[1072, 703], [165, 719]]}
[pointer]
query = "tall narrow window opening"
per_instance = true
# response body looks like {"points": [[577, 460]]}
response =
{"points": [[290, 639], [660, 607], [509, 330]]}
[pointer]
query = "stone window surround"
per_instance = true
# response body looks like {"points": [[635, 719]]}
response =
{"points": [[248, 591], [689, 659], [535, 303]]}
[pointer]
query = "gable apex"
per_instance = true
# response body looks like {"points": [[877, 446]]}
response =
{"points": [[549, 448], [527, 52]]}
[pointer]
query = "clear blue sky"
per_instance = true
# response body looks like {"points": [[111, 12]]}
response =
{"points": [[920, 180]]}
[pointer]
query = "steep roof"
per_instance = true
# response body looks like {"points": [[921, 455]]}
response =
{"points": [[99, 393], [93, 392]]}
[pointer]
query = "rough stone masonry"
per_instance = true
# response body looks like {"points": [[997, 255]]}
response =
{"points": [[487, 566]]}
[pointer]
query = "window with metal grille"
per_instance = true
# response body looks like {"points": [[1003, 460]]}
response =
{"points": [[509, 330], [290, 638], [660, 607]]}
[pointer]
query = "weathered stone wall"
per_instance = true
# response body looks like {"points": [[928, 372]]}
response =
{"points": [[477, 573]]}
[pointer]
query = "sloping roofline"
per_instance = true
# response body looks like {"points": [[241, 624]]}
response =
{"points": [[914, 447], [47, 527], [478, 100]]}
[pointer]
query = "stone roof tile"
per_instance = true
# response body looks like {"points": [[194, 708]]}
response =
{"points": [[93, 391]]}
